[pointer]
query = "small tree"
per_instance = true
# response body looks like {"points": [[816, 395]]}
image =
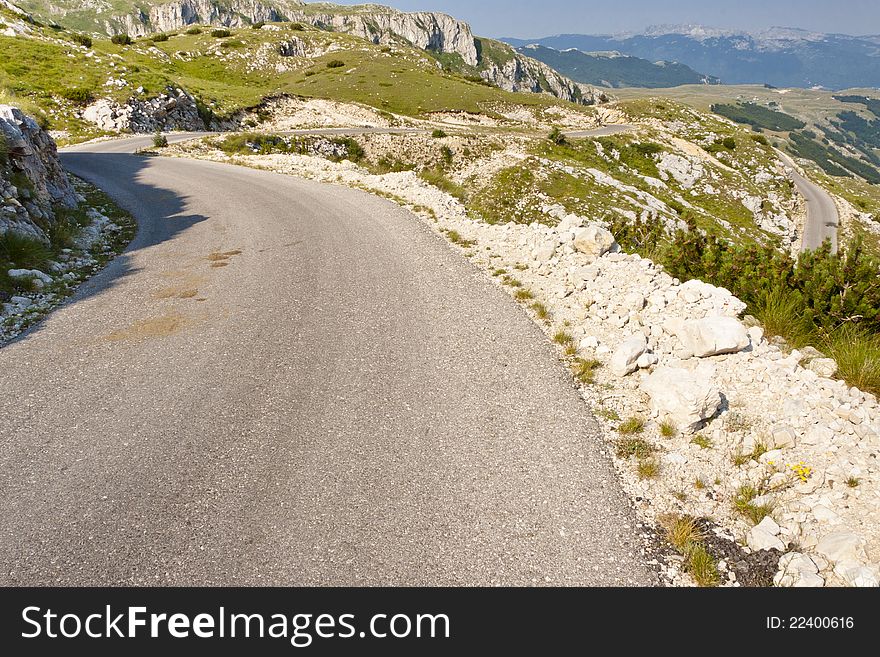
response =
{"points": [[121, 39], [159, 140], [556, 136]]}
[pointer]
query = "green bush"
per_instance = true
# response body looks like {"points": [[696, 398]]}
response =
{"points": [[81, 39], [354, 150], [159, 37], [335, 63], [232, 43], [78, 95], [121, 39], [221, 34], [296, 27], [556, 136], [160, 140], [194, 30], [438, 134], [259, 25]]}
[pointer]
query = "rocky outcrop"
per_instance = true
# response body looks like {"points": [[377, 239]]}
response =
{"points": [[180, 13], [426, 30], [32, 182], [521, 73], [174, 109]]}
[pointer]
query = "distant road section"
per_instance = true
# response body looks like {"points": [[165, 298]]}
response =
{"points": [[604, 131], [822, 216]]}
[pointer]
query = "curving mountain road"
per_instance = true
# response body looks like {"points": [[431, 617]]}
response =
{"points": [[822, 216], [284, 383]]}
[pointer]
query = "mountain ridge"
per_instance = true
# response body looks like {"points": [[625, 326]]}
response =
{"points": [[783, 57]]}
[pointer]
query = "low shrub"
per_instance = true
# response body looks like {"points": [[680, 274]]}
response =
{"points": [[81, 39], [221, 33], [78, 95], [121, 39], [556, 136], [335, 63]]}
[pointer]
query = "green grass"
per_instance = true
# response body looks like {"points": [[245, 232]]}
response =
{"points": [[648, 468], [857, 354], [584, 370], [701, 441], [563, 338], [607, 413], [523, 295], [631, 426], [541, 311], [441, 181], [853, 482], [633, 446], [745, 506], [688, 539], [667, 429], [38, 71], [23, 252], [455, 237]]}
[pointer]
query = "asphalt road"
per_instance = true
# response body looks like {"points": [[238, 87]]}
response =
{"points": [[345, 400], [604, 131], [822, 216]]}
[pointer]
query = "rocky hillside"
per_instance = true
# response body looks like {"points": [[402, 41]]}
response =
{"points": [[32, 182], [200, 77], [54, 231], [449, 39]]}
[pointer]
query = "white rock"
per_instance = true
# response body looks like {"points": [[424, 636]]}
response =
{"points": [[646, 360], [30, 273], [756, 334], [593, 241], [633, 301], [545, 252], [713, 335], [625, 357], [589, 342], [769, 525], [797, 570], [685, 398], [761, 539], [856, 574], [817, 434], [840, 546], [823, 366], [783, 436]]}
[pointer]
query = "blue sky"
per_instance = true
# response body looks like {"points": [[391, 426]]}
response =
{"points": [[528, 18]]}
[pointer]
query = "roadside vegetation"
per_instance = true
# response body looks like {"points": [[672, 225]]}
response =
{"points": [[830, 301]]}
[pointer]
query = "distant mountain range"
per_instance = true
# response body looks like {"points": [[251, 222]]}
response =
{"points": [[613, 69], [782, 57]]}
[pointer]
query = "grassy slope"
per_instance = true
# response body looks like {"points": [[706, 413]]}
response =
{"points": [[401, 79], [563, 181]]}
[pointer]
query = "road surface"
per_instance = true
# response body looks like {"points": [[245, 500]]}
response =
{"points": [[289, 383], [822, 216], [604, 131]]}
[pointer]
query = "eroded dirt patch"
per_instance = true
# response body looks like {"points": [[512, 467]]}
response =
{"points": [[154, 327]]}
